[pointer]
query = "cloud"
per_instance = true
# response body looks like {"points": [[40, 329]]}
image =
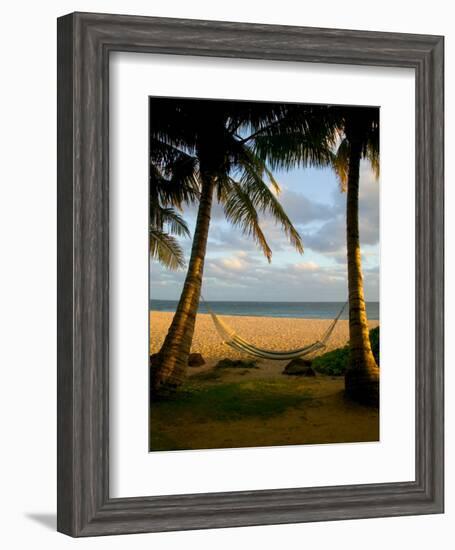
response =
{"points": [[306, 266], [330, 237], [301, 210], [237, 263], [235, 269], [224, 238], [244, 277]]}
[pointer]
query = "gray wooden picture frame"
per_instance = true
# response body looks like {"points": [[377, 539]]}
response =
{"points": [[85, 41]]}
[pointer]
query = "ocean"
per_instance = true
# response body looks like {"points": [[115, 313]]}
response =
{"points": [[302, 310]]}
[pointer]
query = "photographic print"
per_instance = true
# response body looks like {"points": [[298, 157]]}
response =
{"points": [[264, 273], [253, 258]]}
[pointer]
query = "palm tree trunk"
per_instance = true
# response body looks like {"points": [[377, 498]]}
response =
{"points": [[169, 368], [362, 375]]}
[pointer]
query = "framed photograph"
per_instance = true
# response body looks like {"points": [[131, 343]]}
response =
{"points": [[250, 274]]}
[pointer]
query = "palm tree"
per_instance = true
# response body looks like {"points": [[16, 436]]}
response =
{"points": [[212, 138], [353, 134], [361, 140]]}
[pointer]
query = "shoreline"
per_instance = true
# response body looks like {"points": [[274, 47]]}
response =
{"points": [[276, 317]]}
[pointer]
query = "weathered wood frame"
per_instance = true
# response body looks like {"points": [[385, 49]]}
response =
{"points": [[84, 44]]}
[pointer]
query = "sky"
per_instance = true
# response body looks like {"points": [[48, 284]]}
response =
{"points": [[235, 269]]}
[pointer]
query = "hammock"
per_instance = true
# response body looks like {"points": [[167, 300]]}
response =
{"points": [[233, 340]]}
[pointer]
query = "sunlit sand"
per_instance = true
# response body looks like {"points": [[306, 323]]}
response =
{"points": [[301, 410]]}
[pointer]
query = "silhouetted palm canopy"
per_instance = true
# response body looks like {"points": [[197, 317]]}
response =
{"points": [[244, 182], [359, 124], [319, 135], [201, 149]]}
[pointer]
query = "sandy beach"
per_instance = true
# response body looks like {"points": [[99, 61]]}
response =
{"points": [[259, 406], [265, 332]]}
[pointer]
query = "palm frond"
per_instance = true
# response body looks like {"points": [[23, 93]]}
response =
{"points": [[288, 151], [166, 249], [240, 211], [247, 158], [174, 222], [340, 164], [266, 202], [372, 154], [173, 175], [261, 196]]}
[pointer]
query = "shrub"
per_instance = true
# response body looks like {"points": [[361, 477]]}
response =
{"points": [[334, 363], [374, 340]]}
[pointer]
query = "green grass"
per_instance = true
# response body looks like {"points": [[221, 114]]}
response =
{"points": [[207, 376], [203, 400], [230, 401], [335, 362]]}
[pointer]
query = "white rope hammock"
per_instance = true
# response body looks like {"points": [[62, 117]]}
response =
{"points": [[230, 338]]}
